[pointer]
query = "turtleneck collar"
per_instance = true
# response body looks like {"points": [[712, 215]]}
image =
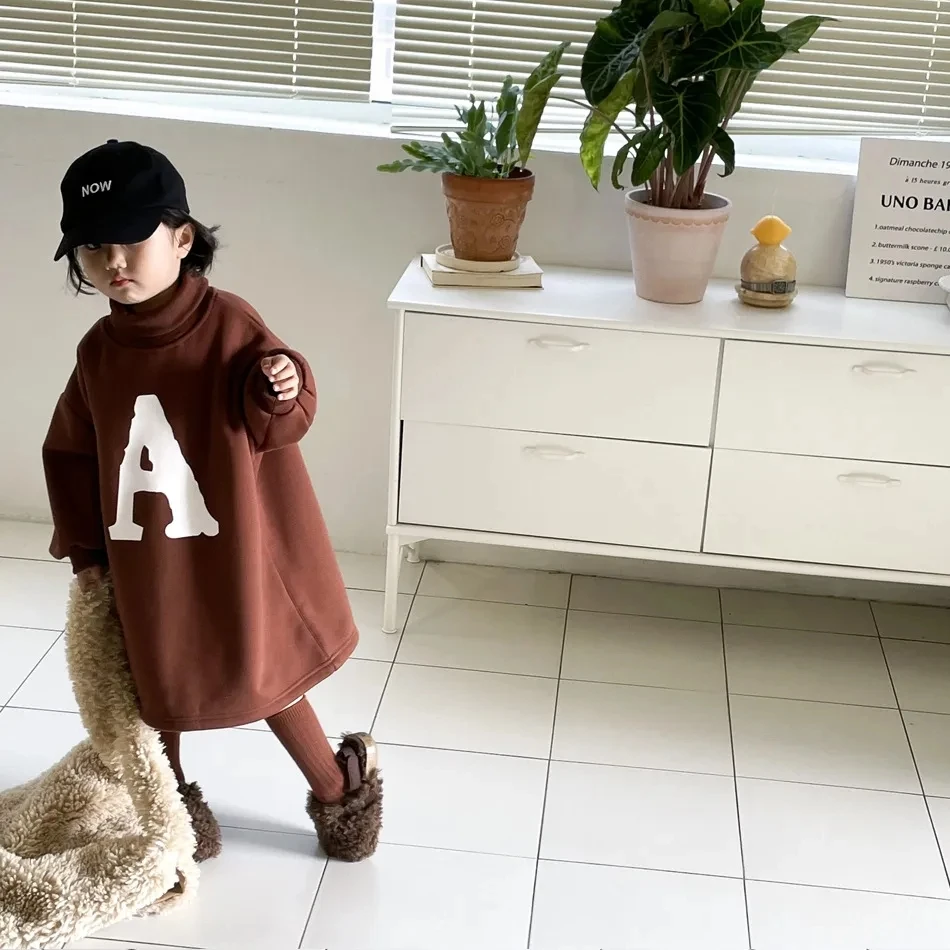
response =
{"points": [[166, 325]]}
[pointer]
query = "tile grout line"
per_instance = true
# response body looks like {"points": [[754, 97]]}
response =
{"points": [[402, 633], [712, 455], [913, 754], [142, 943], [851, 890], [392, 666], [735, 774], [313, 905], [547, 777], [502, 603]]}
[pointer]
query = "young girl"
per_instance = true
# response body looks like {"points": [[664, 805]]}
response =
{"points": [[173, 471]]}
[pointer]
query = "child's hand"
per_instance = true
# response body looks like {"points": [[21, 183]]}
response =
{"points": [[90, 578], [281, 372]]}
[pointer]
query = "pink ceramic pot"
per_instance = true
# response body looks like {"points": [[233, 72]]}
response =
{"points": [[674, 250]]}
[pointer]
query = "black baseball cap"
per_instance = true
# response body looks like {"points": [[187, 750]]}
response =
{"points": [[117, 194]]}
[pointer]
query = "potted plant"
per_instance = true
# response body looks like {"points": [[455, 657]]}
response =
{"points": [[485, 179], [679, 69]]}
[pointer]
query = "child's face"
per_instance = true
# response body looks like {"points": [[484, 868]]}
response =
{"points": [[135, 273]]}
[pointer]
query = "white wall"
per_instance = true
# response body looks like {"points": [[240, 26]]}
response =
{"points": [[315, 238]]}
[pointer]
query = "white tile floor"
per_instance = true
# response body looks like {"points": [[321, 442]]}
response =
{"points": [[570, 762]]}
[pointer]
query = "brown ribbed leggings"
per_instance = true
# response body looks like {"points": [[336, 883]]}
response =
{"points": [[301, 734]]}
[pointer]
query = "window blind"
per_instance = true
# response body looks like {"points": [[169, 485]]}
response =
{"points": [[447, 50], [884, 67], [313, 49]]}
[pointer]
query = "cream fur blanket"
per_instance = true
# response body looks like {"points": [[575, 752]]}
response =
{"points": [[103, 835]]}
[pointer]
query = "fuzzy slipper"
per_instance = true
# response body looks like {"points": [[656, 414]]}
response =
{"points": [[207, 829], [349, 829]]}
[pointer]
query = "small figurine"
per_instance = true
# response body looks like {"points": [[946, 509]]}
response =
{"points": [[768, 270]]}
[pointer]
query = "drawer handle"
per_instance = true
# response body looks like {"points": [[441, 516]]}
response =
{"points": [[554, 453], [869, 479], [558, 343], [881, 368]]}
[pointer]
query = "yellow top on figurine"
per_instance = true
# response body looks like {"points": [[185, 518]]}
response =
{"points": [[771, 230]]}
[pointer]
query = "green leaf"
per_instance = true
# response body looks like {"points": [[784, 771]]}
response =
{"points": [[649, 155], [424, 157], [476, 121], [663, 38], [456, 151], [691, 111], [668, 20], [429, 154], [537, 90], [507, 110], [529, 116], [611, 53], [734, 90], [399, 166], [645, 11], [725, 148], [740, 43], [680, 6], [469, 157], [547, 67], [618, 41], [641, 96], [712, 13], [621, 157], [797, 33], [598, 125]]}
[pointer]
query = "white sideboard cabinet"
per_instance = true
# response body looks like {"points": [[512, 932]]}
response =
{"points": [[579, 418]]}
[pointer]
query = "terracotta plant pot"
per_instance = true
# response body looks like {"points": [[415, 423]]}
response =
{"points": [[486, 214], [674, 250]]}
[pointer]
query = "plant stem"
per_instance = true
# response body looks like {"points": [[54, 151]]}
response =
{"points": [[665, 183], [705, 166], [594, 109], [681, 191], [659, 185], [707, 160], [655, 189]]}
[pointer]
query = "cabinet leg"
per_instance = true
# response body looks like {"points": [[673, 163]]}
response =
{"points": [[412, 554], [391, 602]]}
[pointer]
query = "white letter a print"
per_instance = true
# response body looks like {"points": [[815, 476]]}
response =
{"points": [[170, 476]]}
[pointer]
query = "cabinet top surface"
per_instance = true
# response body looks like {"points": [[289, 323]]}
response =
{"points": [[575, 296]]}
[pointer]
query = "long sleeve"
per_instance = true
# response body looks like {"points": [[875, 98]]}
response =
{"points": [[271, 422], [72, 481]]}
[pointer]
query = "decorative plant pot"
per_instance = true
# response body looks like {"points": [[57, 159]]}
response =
{"points": [[486, 214], [674, 250]]}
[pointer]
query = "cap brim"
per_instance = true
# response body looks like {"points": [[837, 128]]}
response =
{"points": [[129, 229]]}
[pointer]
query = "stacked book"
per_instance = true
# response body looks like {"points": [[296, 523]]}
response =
{"points": [[445, 270]]}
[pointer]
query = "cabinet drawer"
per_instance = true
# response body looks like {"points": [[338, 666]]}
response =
{"points": [[815, 400], [555, 487], [610, 383], [829, 511]]}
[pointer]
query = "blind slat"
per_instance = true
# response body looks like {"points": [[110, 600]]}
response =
{"points": [[314, 49], [884, 66]]}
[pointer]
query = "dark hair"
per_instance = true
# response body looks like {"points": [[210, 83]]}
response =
{"points": [[199, 260]]}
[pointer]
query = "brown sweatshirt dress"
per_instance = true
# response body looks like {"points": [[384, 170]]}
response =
{"points": [[169, 460]]}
